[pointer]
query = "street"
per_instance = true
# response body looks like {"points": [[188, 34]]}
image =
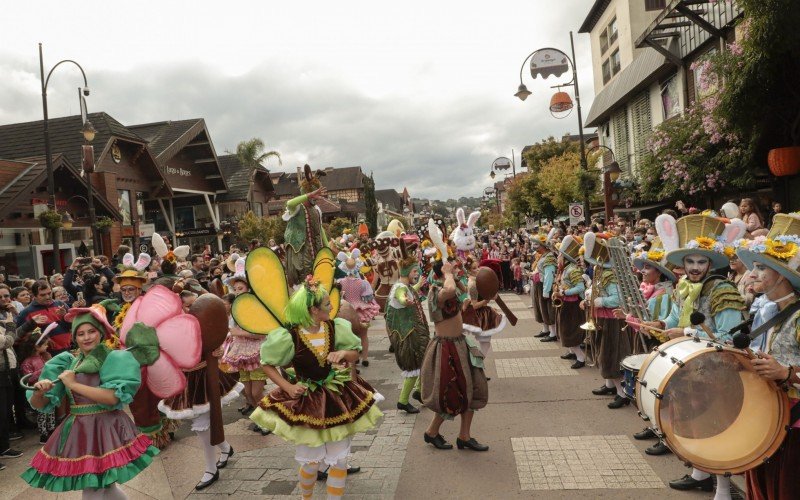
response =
{"points": [[549, 437]]}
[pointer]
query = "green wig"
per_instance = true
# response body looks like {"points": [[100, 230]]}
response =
{"points": [[310, 294]]}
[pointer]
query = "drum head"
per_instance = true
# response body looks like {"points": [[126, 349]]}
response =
{"points": [[718, 414], [634, 362]]}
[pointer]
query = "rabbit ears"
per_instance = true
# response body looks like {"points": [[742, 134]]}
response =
{"points": [[552, 234], [588, 243], [734, 230], [667, 229], [140, 265], [240, 263], [436, 238], [343, 256], [460, 217], [160, 246], [182, 252], [473, 218]]}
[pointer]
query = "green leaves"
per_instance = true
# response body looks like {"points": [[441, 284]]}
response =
{"points": [[142, 342]]}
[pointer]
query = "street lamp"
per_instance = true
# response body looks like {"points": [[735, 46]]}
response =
{"points": [[610, 175], [51, 182], [503, 163], [87, 149], [549, 61]]}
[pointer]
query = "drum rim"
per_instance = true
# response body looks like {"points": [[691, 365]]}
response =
{"points": [[779, 435]]}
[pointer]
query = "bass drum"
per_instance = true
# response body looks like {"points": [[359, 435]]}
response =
{"points": [[712, 409]]}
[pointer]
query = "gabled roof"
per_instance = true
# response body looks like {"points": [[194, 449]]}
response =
{"points": [[390, 198], [238, 177], [21, 140], [337, 179], [27, 174]]}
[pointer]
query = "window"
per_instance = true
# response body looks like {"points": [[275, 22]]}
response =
{"points": [[124, 204], [606, 72], [654, 4], [670, 102], [642, 125], [619, 123], [615, 63], [258, 210], [603, 42], [140, 196], [612, 31]]}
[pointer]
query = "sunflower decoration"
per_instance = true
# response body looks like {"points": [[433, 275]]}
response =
{"points": [[703, 242], [655, 255], [782, 250], [729, 251], [263, 309]]}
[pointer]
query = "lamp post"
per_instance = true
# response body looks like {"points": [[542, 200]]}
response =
{"points": [[89, 133], [489, 192], [549, 61], [51, 183], [610, 175], [503, 163]]}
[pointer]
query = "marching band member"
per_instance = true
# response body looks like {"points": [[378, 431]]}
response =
{"points": [[539, 249], [571, 293], [697, 243], [546, 268]]}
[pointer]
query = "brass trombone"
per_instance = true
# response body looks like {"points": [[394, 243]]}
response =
{"points": [[589, 325]]}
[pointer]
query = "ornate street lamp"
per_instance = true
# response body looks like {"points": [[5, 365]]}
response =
{"points": [[89, 134], [503, 163], [610, 173]]}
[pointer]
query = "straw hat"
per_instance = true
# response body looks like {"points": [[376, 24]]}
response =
{"points": [[133, 274], [570, 248], [657, 258], [698, 234], [779, 250]]}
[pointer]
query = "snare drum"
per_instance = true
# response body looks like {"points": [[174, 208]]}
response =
{"points": [[630, 369], [711, 407]]}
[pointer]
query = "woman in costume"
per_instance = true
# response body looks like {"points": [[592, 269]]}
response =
{"points": [[358, 293], [480, 319], [304, 233], [242, 352], [407, 328], [452, 378], [323, 402], [83, 453]]}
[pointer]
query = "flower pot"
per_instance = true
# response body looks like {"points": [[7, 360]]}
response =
{"points": [[784, 161]]}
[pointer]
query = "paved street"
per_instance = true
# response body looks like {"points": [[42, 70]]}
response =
{"points": [[549, 438]]}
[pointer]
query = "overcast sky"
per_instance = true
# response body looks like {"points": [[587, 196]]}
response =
{"points": [[420, 93]]}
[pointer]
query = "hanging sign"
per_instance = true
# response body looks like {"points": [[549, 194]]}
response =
{"points": [[547, 62]]}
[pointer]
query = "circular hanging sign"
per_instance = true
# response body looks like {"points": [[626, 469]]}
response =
{"points": [[547, 62]]}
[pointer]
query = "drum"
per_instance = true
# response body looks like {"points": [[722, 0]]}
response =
{"points": [[712, 409], [630, 369]]}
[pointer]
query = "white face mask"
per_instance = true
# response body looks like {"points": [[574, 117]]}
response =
{"points": [[649, 237]]}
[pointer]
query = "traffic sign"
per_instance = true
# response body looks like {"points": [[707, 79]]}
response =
{"points": [[575, 213], [143, 248]]}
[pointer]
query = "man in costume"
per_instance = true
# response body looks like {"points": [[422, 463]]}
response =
{"points": [[407, 328], [775, 262], [304, 233], [538, 244], [571, 288], [387, 245], [453, 382], [697, 243], [602, 299]]}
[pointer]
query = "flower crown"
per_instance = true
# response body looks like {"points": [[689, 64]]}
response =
{"points": [[782, 247], [655, 255], [708, 243]]}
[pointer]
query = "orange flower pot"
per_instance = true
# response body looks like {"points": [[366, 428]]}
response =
{"points": [[784, 161]]}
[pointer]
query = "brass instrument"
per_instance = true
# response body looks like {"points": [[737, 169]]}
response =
{"points": [[589, 325], [632, 303], [555, 293]]}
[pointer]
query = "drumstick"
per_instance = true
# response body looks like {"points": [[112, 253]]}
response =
{"points": [[512, 318], [698, 319], [642, 325]]}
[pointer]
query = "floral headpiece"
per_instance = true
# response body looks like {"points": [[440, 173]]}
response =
{"points": [[782, 247], [655, 254], [311, 285]]}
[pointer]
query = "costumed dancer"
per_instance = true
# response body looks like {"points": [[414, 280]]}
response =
{"points": [[242, 351], [194, 401], [602, 299], [464, 234], [83, 453], [304, 233], [657, 289], [537, 242], [453, 382], [571, 288], [321, 402], [480, 319], [387, 246], [407, 328], [546, 270], [775, 263], [359, 294], [697, 244]]}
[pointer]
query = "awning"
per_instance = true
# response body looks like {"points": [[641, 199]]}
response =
{"points": [[647, 67], [642, 208]]}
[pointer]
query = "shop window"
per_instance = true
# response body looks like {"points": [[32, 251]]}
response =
{"points": [[124, 204]]}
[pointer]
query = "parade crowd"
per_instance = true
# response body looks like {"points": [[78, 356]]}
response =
{"points": [[174, 335]]}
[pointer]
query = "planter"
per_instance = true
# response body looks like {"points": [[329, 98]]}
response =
{"points": [[784, 161], [50, 219]]}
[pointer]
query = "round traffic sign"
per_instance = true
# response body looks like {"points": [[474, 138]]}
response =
{"points": [[143, 248], [576, 211]]}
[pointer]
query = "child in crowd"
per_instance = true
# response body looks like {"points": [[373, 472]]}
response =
{"points": [[33, 353], [516, 270]]}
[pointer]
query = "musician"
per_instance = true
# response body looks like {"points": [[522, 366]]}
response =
{"points": [[571, 290], [601, 300], [697, 243], [546, 268], [539, 250], [775, 264]]}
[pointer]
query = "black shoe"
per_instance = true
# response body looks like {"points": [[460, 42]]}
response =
{"points": [[43, 438], [205, 484], [687, 482], [391, 348], [407, 407], [365, 363], [548, 339], [569, 355], [619, 402], [264, 432], [246, 410], [14, 435], [645, 434], [438, 442], [604, 391], [417, 395], [658, 449], [472, 444], [542, 334], [322, 475], [224, 461], [578, 364], [11, 453]]}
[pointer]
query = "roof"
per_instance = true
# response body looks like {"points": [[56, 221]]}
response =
{"points": [[336, 179], [27, 174], [163, 137], [595, 13], [21, 140], [646, 68], [238, 177], [285, 184], [390, 198]]}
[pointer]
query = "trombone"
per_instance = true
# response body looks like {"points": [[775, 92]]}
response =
{"points": [[589, 326]]}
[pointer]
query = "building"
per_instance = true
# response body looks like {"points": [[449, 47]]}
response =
{"points": [[345, 197], [642, 57], [394, 205]]}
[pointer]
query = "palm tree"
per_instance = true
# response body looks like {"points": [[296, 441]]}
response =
{"points": [[251, 153]]}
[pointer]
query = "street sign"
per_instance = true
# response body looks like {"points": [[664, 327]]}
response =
{"points": [[146, 230], [144, 248], [575, 213]]}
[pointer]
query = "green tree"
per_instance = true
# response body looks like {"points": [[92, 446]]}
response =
{"points": [[252, 153], [337, 227], [559, 180], [253, 227], [371, 205]]}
